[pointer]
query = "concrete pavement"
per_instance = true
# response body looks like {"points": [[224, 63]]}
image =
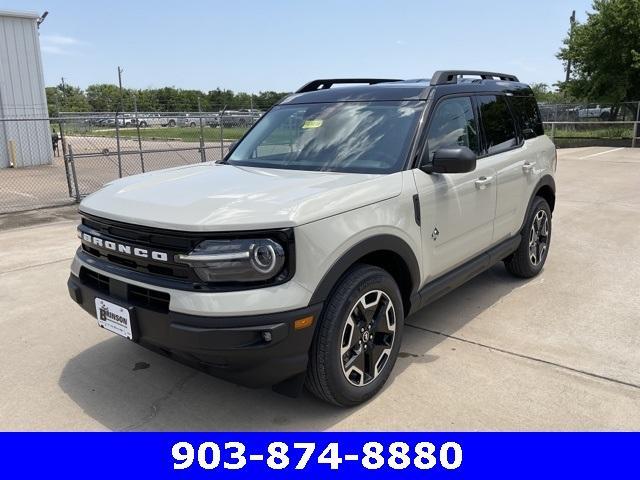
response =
{"points": [[560, 351]]}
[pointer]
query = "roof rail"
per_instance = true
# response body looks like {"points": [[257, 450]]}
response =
{"points": [[443, 77], [324, 83]]}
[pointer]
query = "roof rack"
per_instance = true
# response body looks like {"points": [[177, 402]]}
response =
{"points": [[443, 77], [325, 83]]}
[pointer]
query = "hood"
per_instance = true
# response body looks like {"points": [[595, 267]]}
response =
{"points": [[217, 197]]}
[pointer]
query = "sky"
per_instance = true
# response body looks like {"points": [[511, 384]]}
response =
{"points": [[279, 45]]}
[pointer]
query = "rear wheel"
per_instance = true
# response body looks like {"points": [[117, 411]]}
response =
{"points": [[529, 258], [358, 338]]}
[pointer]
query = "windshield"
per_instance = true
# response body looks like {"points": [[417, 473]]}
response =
{"points": [[361, 137]]}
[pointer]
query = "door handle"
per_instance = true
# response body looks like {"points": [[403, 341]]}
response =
{"points": [[528, 167], [483, 182]]}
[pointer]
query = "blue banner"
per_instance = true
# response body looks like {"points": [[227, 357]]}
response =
{"points": [[309, 455]]}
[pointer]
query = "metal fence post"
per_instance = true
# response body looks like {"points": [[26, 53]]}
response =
{"points": [[64, 156], [135, 108], [73, 174], [118, 147], [636, 127], [220, 121], [553, 132], [203, 154]]}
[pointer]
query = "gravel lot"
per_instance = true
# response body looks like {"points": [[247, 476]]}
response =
{"points": [[560, 351]]}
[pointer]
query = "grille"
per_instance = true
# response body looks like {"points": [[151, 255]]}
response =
{"points": [[168, 273], [150, 299], [143, 237], [137, 296], [95, 280]]}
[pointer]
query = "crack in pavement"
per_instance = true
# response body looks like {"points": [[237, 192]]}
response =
{"points": [[155, 405], [66, 259], [528, 357]]}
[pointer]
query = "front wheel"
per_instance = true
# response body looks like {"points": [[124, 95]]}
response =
{"points": [[358, 338], [529, 258]]}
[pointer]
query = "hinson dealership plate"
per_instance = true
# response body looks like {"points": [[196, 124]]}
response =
{"points": [[114, 318]]}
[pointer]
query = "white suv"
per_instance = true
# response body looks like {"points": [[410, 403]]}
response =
{"points": [[342, 211]]}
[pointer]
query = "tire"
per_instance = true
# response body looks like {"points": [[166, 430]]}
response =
{"points": [[605, 116], [192, 124], [363, 291], [527, 261], [172, 123], [143, 124]]}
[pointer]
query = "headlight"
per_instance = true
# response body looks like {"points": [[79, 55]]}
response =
{"points": [[237, 260]]}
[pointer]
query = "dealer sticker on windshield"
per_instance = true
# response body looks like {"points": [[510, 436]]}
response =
{"points": [[114, 318], [312, 123]]}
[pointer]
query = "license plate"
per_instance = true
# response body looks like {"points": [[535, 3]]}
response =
{"points": [[114, 318]]}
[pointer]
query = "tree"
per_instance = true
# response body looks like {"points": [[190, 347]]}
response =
{"points": [[107, 98], [103, 97], [544, 94], [66, 98], [605, 53], [267, 99]]}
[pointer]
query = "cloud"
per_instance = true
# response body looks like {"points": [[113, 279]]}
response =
{"points": [[60, 44], [400, 42]]}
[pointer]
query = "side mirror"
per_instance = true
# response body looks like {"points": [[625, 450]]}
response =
{"points": [[451, 160]]}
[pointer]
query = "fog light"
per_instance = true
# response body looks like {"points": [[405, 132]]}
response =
{"points": [[266, 336]]}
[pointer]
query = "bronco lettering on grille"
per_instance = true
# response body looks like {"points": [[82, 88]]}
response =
{"points": [[123, 248]]}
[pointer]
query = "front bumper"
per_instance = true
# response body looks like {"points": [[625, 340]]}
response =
{"points": [[256, 350]]}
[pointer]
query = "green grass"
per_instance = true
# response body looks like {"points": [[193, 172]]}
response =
{"points": [[185, 134], [191, 134], [611, 132]]}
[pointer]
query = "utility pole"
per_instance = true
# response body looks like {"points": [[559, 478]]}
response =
{"points": [[120, 70], [118, 124], [572, 22]]}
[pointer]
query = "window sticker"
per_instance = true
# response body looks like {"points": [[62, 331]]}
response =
{"points": [[312, 124]]}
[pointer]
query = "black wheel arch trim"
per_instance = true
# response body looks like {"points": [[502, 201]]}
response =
{"points": [[545, 181], [383, 242]]}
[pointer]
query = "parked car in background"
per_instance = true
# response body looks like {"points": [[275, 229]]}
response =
{"points": [[593, 111], [189, 120], [235, 118], [156, 120], [122, 122]]}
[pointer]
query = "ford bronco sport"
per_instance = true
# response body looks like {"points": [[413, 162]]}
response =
{"points": [[295, 260]]}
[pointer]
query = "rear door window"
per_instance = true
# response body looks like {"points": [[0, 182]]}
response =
{"points": [[499, 127], [528, 116]]}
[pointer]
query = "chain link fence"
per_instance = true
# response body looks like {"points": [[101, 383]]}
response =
{"points": [[592, 124], [56, 161]]}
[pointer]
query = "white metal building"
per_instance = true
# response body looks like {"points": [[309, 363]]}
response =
{"points": [[22, 93]]}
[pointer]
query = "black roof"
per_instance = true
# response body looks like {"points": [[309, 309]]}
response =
{"points": [[389, 90]]}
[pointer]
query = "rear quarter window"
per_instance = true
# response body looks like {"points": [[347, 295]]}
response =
{"points": [[527, 115]]}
